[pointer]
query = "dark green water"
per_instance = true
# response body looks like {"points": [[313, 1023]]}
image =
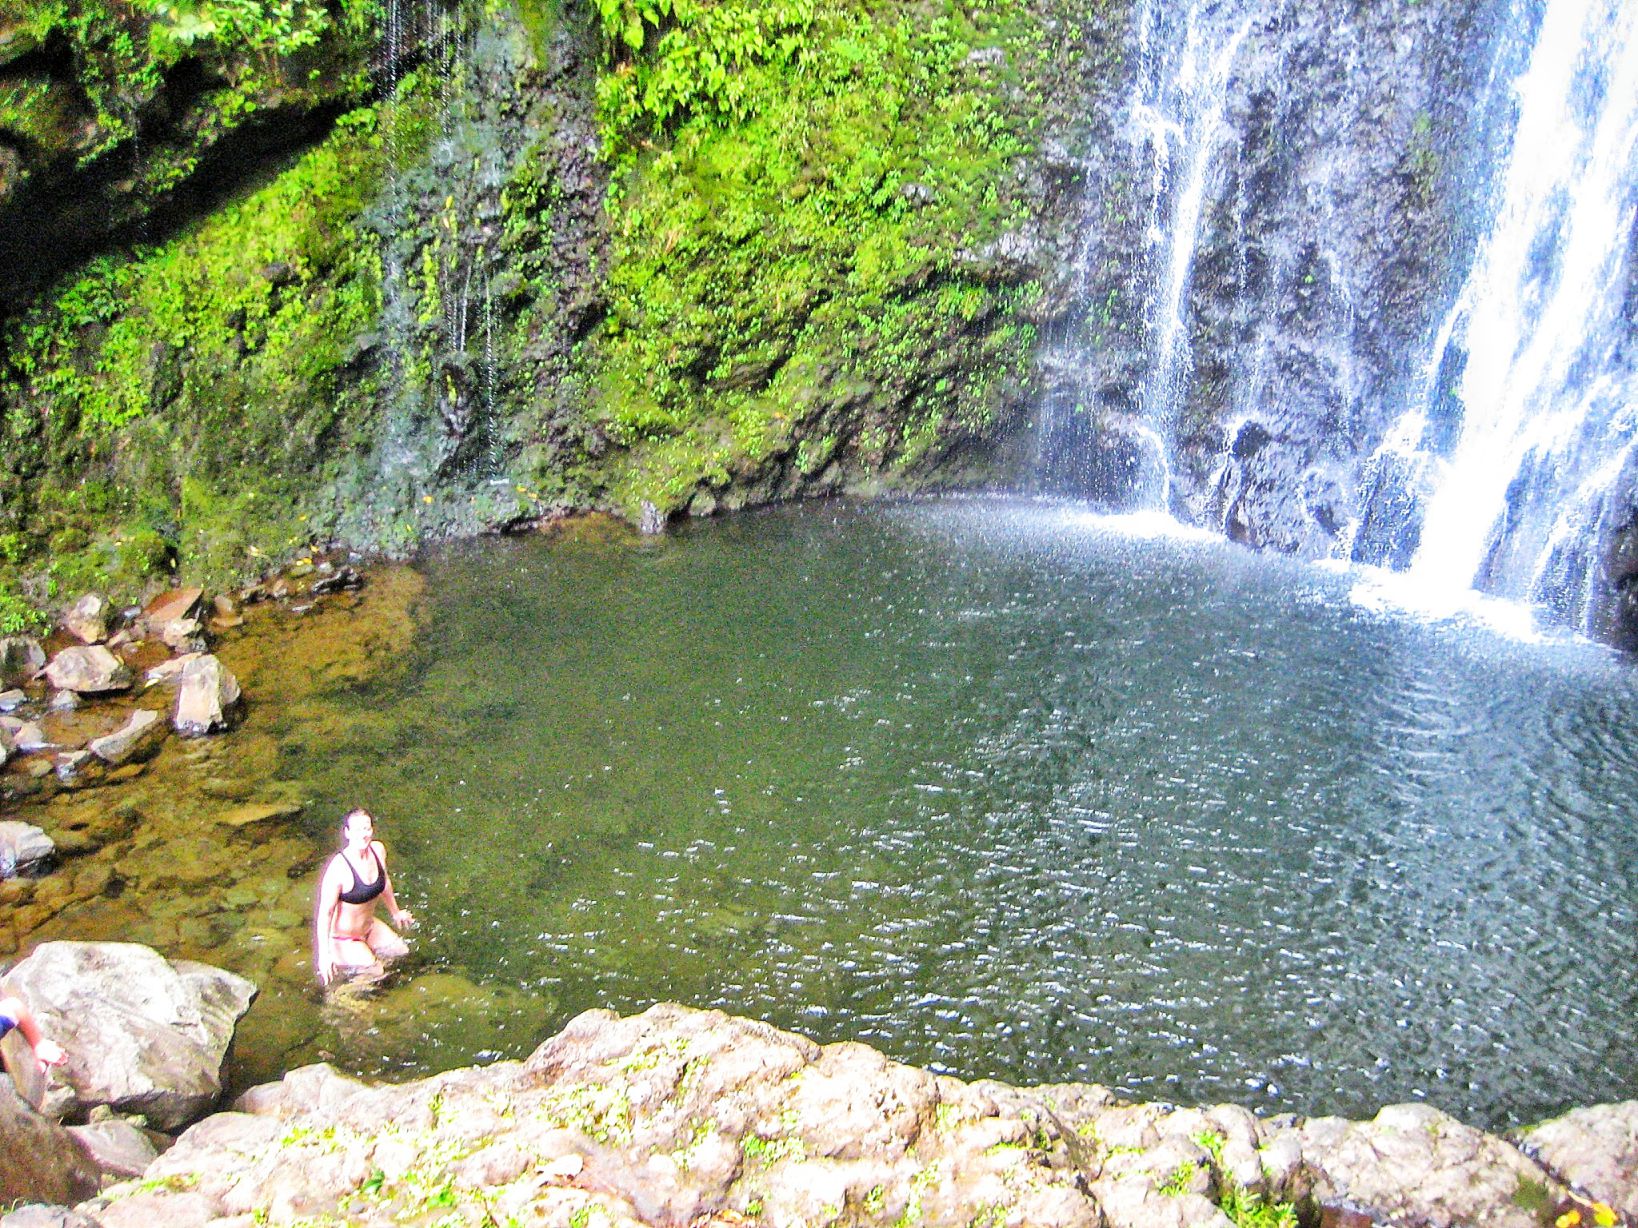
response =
{"points": [[1003, 793]]}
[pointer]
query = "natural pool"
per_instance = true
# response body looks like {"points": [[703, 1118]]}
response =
{"points": [[992, 786]]}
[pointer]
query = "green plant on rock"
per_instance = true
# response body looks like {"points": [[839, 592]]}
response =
{"points": [[800, 200]]}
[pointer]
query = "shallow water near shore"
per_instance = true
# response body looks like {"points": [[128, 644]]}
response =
{"points": [[988, 784]]}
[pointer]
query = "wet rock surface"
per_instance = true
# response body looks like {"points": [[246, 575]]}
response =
{"points": [[680, 1116], [88, 670], [43, 1161]]}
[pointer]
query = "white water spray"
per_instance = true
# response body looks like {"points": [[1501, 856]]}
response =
{"points": [[1548, 415]]}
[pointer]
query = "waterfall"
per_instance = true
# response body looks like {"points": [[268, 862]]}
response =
{"points": [[1184, 67], [1110, 436], [1531, 361]]}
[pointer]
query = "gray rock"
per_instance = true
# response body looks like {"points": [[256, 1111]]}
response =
{"points": [[87, 619], [1413, 1164], [11, 700], [21, 659], [1594, 1149], [63, 701], [43, 1162], [183, 635], [73, 765], [652, 521], [138, 738], [206, 696], [24, 849], [143, 1034], [42, 1215], [117, 1147], [5, 745], [89, 670], [26, 736]]}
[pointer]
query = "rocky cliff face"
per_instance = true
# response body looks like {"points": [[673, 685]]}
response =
{"points": [[548, 263], [376, 274], [1336, 152]]}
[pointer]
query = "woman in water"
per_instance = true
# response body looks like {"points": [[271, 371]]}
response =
{"points": [[347, 938]]}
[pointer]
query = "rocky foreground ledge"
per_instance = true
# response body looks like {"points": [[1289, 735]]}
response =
{"points": [[695, 1118]]}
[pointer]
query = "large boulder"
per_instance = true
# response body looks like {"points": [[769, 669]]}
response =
{"points": [[42, 1161], [21, 659], [138, 738], [206, 695], [88, 670], [143, 1034], [23, 848]]}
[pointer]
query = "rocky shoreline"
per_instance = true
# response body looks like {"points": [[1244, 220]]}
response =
{"points": [[686, 1117]]}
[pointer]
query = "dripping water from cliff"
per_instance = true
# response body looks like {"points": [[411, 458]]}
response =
{"points": [[1102, 443], [1516, 472]]}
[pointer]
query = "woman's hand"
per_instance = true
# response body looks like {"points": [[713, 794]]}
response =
{"points": [[403, 919], [49, 1053]]}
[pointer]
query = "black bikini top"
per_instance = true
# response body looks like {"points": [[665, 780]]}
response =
{"points": [[362, 892]]}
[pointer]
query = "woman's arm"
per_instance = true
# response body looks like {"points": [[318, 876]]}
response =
{"points": [[46, 1052], [324, 909], [400, 916]]}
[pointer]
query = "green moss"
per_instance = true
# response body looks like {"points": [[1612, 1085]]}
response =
{"points": [[802, 193], [202, 381], [121, 52]]}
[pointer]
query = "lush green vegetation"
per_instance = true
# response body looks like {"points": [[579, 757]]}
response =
{"points": [[122, 49], [195, 387], [795, 282], [803, 194]]}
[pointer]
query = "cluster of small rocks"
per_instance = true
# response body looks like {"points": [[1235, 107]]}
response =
{"points": [[51, 706]]}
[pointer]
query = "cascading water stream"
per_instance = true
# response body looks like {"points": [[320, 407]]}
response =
{"points": [[1547, 400], [1185, 64]]}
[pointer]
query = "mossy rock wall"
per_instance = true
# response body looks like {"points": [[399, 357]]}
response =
{"points": [[514, 260]]}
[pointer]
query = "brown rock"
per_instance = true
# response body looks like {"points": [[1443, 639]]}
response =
{"points": [[43, 1162], [177, 603], [88, 670]]}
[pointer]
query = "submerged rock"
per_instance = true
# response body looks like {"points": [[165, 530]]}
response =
{"points": [[206, 696], [143, 1034], [138, 738]]}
